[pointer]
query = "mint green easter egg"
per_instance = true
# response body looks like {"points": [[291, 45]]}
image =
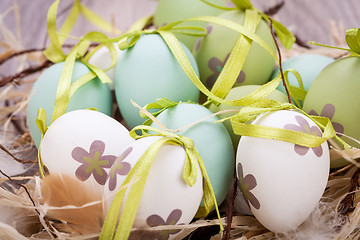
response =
{"points": [[211, 140], [335, 94], [237, 93], [93, 94], [169, 11], [148, 71], [307, 65], [213, 50]]}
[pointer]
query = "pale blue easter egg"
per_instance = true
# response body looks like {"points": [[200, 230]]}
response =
{"points": [[211, 140], [148, 71], [93, 94], [307, 65]]}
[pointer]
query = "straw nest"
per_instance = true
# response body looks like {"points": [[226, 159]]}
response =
{"points": [[24, 217]]}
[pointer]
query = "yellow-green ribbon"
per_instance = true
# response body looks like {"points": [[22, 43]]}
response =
{"points": [[296, 93], [234, 64], [286, 37], [54, 53], [160, 105], [352, 37], [241, 126], [135, 182], [128, 40], [41, 124]]}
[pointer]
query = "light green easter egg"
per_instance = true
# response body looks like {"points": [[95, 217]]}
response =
{"points": [[169, 11], [335, 94], [149, 71], [237, 93], [214, 49], [211, 140], [93, 94]]}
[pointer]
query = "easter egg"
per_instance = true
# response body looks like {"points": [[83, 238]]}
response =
{"points": [[169, 11], [93, 94], [167, 199], [281, 181], [307, 65], [102, 59], [333, 94], [211, 58], [237, 93], [211, 140], [149, 71], [84, 144]]}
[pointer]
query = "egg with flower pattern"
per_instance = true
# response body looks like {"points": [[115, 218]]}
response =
{"points": [[211, 58], [84, 144], [281, 181], [334, 94], [167, 199]]}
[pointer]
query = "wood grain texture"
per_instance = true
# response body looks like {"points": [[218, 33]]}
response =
{"points": [[309, 19]]}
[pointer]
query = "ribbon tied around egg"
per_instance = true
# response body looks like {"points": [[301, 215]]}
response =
{"points": [[234, 63], [135, 182]]}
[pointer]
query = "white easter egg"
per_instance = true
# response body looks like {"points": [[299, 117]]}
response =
{"points": [[167, 199], [85, 144], [102, 59], [282, 182]]}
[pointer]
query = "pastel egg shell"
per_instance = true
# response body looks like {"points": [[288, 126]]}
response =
{"points": [[168, 11], [102, 59], [307, 65], [43, 93], [211, 140], [149, 71], [166, 199], [334, 94], [281, 181], [84, 144], [211, 58], [237, 93]]}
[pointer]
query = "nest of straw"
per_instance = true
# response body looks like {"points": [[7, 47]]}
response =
{"points": [[24, 217]]}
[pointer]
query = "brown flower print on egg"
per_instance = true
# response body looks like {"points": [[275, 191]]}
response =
{"points": [[120, 167], [216, 66], [329, 111], [246, 184], [93, 162], [303, 126], [154, 221]]}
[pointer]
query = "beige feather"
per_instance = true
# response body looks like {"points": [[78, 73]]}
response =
{"points": [[76, 205]]}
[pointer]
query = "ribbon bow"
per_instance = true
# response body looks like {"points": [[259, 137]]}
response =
{"points": [[141, 170]]}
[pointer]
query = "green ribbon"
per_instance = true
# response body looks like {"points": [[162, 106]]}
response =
{"points": [[236, 60], [160, 105], [296, 93], [352, 37], [55, 53], [241, 126], [135, 182], [285, 36]]}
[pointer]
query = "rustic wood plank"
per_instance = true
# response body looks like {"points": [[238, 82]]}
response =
{"points": [[310, 19]]}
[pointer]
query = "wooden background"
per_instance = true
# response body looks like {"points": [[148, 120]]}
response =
{"points": [[309, 19]]}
